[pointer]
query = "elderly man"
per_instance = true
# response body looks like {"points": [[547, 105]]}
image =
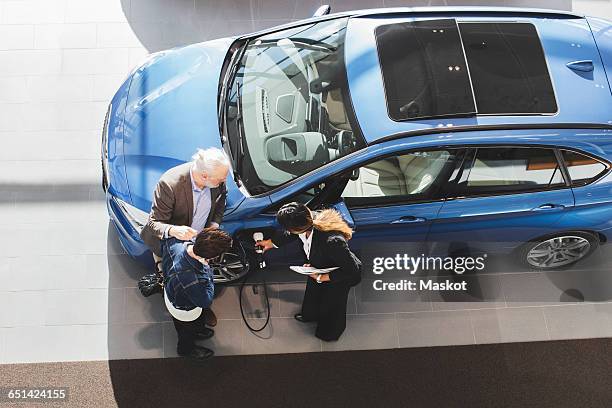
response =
{"points": [[188, 198]]}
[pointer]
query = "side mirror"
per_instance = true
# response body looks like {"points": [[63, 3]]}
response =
{"points": [[322, 11]]}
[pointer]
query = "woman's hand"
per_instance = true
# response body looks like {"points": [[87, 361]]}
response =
{"points": [[324, 276], [265, 244]]}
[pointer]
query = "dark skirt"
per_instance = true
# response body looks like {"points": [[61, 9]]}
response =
{"points": [[326, 304]]}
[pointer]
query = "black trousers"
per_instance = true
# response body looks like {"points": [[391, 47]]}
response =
{"points": [[186, 332], [326, 304]]}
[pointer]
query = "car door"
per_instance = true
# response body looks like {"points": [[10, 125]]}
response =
{"points": [[502, 197], [393, 200]]}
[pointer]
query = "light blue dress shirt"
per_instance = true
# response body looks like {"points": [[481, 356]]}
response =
{"points": [[201, 205]]}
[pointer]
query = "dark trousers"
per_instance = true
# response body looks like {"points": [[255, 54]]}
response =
{"points": [[326, 304], [186, 332]]}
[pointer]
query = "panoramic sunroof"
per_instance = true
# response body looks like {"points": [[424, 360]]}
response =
{"points": [[426, 75]]}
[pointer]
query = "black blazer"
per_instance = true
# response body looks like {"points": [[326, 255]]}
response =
{"points": [[328, 249]]}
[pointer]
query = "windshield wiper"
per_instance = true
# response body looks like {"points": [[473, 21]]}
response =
{"points": [[239, 134], [224, 104], [229, 78]]}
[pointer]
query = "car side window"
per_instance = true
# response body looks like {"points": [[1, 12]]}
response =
{"points": [[582, 169], [410, 177], [503, 170]]}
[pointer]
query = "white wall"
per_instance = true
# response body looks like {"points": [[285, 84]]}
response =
{"points": [[597, 8]]}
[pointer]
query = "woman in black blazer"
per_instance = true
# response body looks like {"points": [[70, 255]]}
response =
{"points": [[324, 236]]}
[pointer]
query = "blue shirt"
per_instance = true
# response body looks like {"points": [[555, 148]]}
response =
{"points": [[201, 205], [188, 283]]}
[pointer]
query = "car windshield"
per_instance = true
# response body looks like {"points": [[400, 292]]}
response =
{"points": [[288, 110]]}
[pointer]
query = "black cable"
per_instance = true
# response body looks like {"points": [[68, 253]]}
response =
{"points": [[265, 285]]}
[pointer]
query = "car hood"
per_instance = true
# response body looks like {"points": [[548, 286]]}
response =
{"points": [[171, 111]]}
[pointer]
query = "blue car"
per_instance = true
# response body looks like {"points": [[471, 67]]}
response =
{"points": [[487, 126]]}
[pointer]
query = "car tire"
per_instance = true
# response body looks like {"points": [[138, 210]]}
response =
{"points": [[558, 251], [232, 266]]}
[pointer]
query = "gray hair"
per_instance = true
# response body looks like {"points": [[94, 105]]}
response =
{"points": [[207, 160]]}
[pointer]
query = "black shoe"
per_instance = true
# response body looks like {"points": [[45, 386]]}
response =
{"points": [[300, 318], [198, 353], [205, 334]]}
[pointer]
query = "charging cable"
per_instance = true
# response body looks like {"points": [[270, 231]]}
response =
{"points": [[258, 236]]}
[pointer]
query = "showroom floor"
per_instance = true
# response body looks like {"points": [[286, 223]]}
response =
{"points": [[68, 290]]}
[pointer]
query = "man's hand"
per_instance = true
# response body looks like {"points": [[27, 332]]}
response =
{"points": [[265, 244], [182, 232], [214, 225]]}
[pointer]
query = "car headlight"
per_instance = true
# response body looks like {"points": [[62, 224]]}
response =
{"points": [[104, 151], [135, 216]]}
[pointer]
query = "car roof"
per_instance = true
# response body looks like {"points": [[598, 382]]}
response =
{"points": [[496, 127], [442, 10], [454, 10]]}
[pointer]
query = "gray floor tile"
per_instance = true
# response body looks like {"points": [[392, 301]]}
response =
{"points": [[559, 287], [226, 306], [483, 291], [93, 342], [434, 329], [2, 346], [372, 301], [97, 271], [113, 245], [291, 296], [48, 272], [23, 308], [6, 318], [24, 273], [142, 340], [283, 335], [226, 341], [122, 270], [80, 306], [117, 306], [366, 332], [579, 321], [140, 309], [33, 344], [509, 325]]}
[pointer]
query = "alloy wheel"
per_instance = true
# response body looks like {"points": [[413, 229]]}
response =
{"points": [[230, 266], [558, 251]]}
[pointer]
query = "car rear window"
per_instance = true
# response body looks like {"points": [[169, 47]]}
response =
{"points": [[508, 69], [582, 169], [438, 68]]}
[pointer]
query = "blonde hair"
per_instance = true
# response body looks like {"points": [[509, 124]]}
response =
{"points": [[331, 220]]}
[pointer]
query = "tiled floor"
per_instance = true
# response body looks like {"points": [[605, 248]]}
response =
{"points": [[68, 289]]}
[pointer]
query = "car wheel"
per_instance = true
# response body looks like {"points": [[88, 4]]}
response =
{"points": [[231, 266], [559, 251]]}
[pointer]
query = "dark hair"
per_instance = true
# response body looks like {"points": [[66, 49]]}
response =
{"points": [[211, 242], [294, 217]]}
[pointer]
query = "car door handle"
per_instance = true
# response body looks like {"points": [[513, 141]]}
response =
{"points": [[549, 207], [408, 219], [582, 66]]}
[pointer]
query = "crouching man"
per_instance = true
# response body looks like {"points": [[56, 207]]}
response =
{"points": [[189, 287]]}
